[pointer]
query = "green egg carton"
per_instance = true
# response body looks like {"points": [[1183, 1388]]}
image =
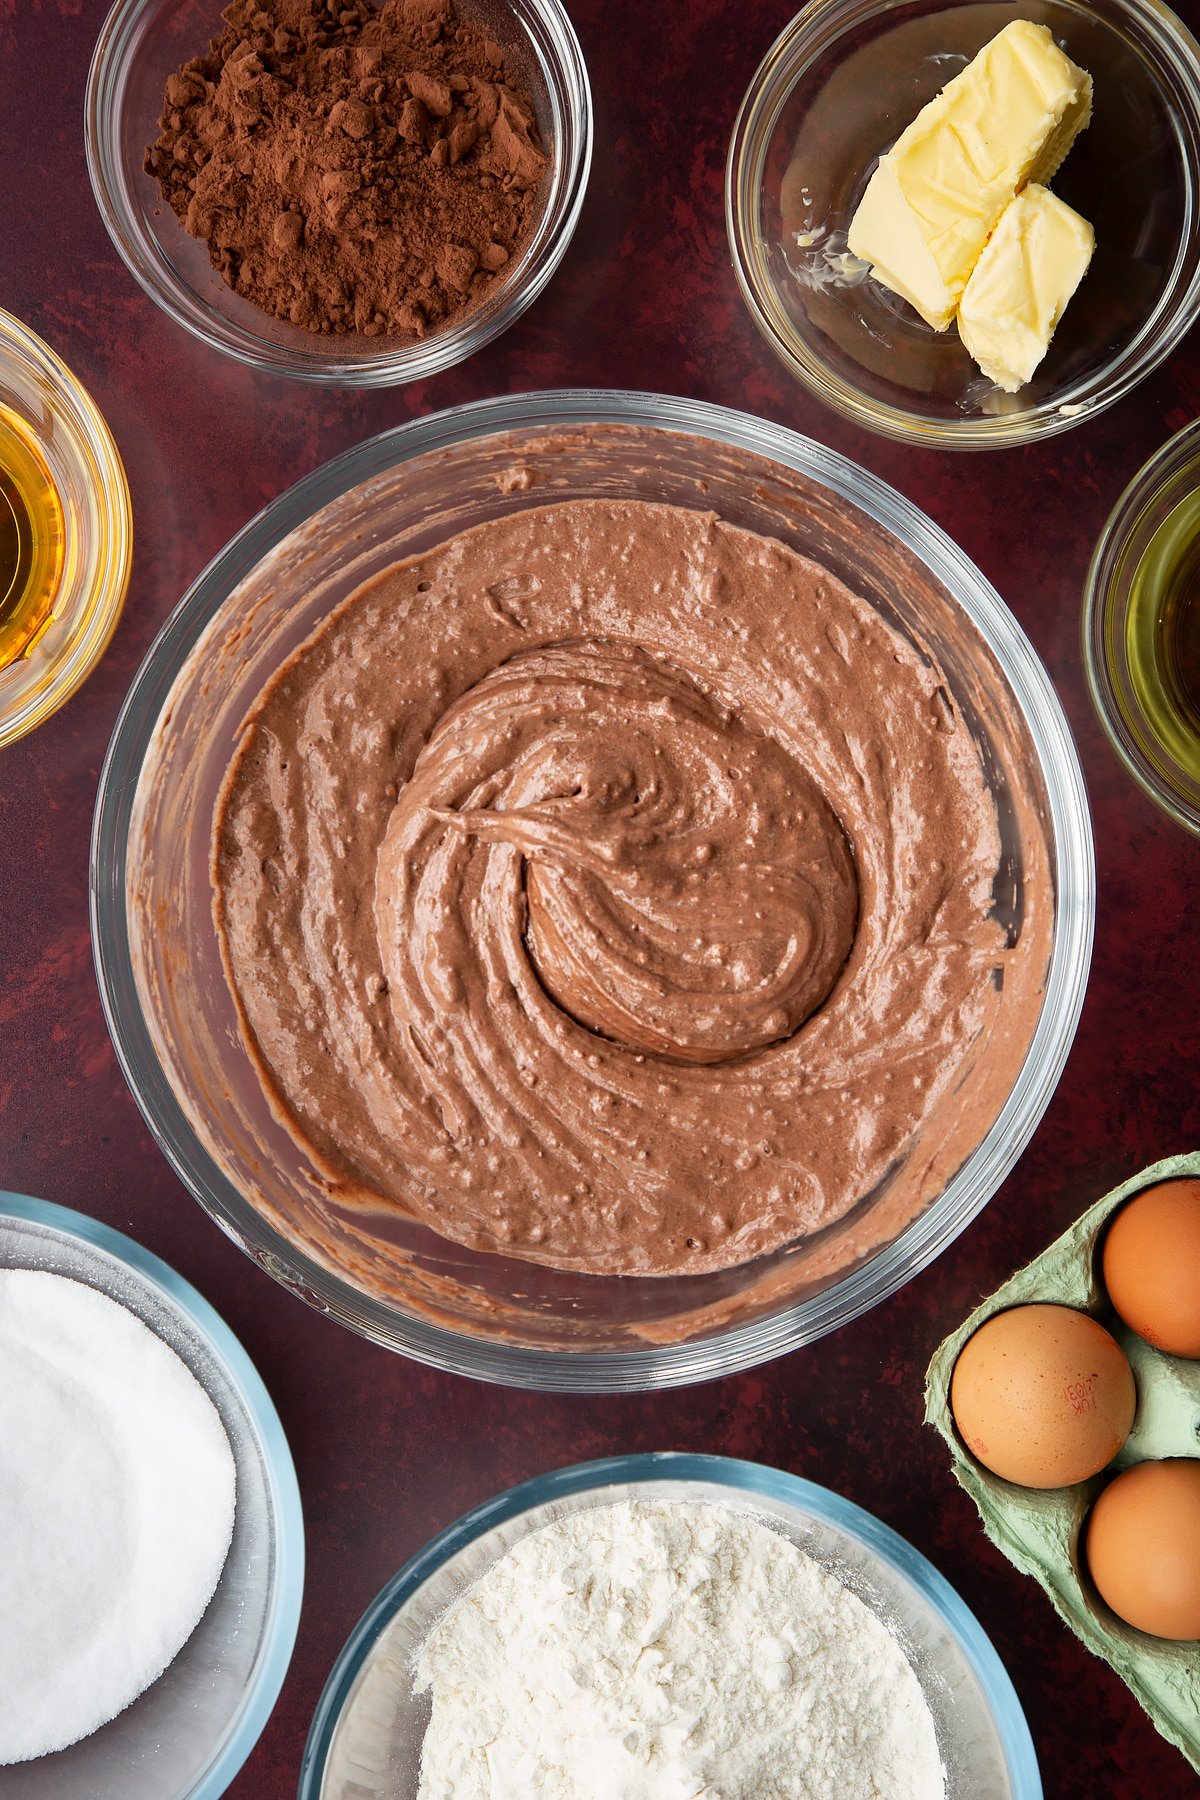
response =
{"points": [[1039, 1530]]}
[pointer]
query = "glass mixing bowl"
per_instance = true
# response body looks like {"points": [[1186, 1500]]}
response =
{"points": [[164, 988], [187, 1736], [366, 1735], [83, 462], [834, 92], [144, 41], [1144, 564]]}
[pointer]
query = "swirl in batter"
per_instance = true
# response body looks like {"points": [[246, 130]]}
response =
{"points": [[612, 887]]}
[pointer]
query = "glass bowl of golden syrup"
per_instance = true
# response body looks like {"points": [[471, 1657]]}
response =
{"points": [[66, 532], [1141, 627]]}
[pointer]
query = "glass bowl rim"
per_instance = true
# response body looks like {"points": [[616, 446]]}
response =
{"points": [[818, 27], [91, 440], [418, 361], [737, 1474], [267, 1680], [742, 1346], [1168, 462]]}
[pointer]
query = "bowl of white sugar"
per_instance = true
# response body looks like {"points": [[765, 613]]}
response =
{"points": [[663, 1627], [153, 1541]]}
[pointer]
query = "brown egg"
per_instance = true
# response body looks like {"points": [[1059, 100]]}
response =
{"points": [[1152, 1265], [1143, 1547], [1042, 1395]]}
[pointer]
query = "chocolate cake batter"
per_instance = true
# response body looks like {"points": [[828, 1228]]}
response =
{"points": [[611, 887]]}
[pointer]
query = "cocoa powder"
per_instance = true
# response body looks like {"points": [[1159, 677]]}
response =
{"points": [[352, 169]]}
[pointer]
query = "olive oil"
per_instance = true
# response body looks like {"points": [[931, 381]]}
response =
{"points": [[1162, 635], [31, 540]]}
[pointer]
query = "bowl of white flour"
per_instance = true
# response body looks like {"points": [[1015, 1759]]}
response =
{"points": [[150, 1594], [668, 1627]]}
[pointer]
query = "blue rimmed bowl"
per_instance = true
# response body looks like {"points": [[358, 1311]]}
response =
{"points": [[187, 1736], [366, 1735]]}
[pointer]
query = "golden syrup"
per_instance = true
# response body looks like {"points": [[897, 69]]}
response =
{"points": [[31, 540]]}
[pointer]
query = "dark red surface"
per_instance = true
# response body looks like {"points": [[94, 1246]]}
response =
{"points": [[387, 1452]]}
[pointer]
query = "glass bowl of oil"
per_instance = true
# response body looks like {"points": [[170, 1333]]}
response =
{"points": [[66, 532], [1141, 627]]}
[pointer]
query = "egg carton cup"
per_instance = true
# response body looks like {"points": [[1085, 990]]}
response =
{"points": [[1040, 1530]]}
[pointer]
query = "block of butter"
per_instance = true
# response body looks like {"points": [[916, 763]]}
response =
{"points": [[1008, 118], [1030, 267]]}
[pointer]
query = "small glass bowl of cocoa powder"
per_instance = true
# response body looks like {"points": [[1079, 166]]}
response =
{"points": [[361, 194]]}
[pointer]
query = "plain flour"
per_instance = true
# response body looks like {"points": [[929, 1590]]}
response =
{"points": [[652, 1650], [116, 1509]]}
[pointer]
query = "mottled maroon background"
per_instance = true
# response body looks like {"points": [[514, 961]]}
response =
{"points": [[388, 1452]]}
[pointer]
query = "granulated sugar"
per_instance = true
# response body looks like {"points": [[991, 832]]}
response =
{"points": [[658, 1650], [116, 1509]]}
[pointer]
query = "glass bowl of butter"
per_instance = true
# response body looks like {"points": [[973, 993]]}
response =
{"points": [[967, 227]]}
